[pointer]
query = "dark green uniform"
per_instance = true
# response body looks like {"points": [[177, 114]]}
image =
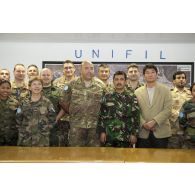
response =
{"points": [[53, 94], [119, 118], [8, 131], [187, 122], [34, 120]]}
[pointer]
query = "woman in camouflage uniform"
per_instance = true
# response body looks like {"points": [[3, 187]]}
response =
{"points": [[35, 117], [8, 107]]}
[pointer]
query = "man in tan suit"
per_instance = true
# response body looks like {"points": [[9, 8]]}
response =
{"points": [[155, 102]]}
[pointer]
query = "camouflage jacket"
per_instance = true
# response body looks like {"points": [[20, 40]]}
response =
{"points": [[83, 102], [53, 94], [178, 98], [20, 92], [8, 129], [129, 87], [60, 82], [187, 117], [34, 121], [119, 116]]}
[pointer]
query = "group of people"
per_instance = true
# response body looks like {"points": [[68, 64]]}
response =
{"points": [[89, 110]]}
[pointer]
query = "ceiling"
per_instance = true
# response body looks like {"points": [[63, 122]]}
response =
{"points": [[99, 37]]}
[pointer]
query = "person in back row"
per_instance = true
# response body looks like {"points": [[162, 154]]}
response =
{"points": [[180, 94], [133, 76], [19, 86], [104, 74], [5, 74]]}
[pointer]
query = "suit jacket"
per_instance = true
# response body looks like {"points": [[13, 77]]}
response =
{"points": [[159, 110]]}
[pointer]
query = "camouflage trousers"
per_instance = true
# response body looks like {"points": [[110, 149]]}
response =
{"points": [[59, 134], [64, 128], [189, 144], [176, 142], [81, 137]]}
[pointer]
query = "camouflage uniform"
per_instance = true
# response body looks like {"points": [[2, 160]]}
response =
{"points": [[20, 92], [8, 131], [63, 124], [178, 98], [129, 87], [187, 122], [110, 87], [84, 106], [34, 120], [119, 118], [60, 82], [53, 94]]}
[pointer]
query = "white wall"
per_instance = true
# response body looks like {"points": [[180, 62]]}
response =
{"points": [[28, 52]]}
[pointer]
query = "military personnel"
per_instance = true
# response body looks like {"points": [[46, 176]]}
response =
{"points": [[32, 71], [19, 87], [119, 118], [5, 74], [187, 120], [8, 107], [104, 74], [81, 99], [180, 94], [68, 74], [133, 75], [53, 94], [35, 117], [63, 118]]}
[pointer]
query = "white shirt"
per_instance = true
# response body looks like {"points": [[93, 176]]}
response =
{"points": [[150, 94]]}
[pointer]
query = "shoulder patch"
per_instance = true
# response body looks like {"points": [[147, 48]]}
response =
{"points": [[19, 110], [65, 87]]}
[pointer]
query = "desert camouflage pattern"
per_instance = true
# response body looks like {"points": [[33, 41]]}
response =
{"points": [[20, 92]]}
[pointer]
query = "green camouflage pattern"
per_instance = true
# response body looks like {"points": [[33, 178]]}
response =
{"points": [[187, 123], [53, 94], [35, 121], [8, 131], [119, 116]]}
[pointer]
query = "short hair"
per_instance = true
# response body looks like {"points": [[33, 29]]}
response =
{"points": [[5, 69], [103, 66], [35, 66], [86, 62], [193, 84], [68, 62], [178, 73], [35, 79], [18, 65], [2, 81], [120, 73], [43, 69], [132, 65], [150, 66]]}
